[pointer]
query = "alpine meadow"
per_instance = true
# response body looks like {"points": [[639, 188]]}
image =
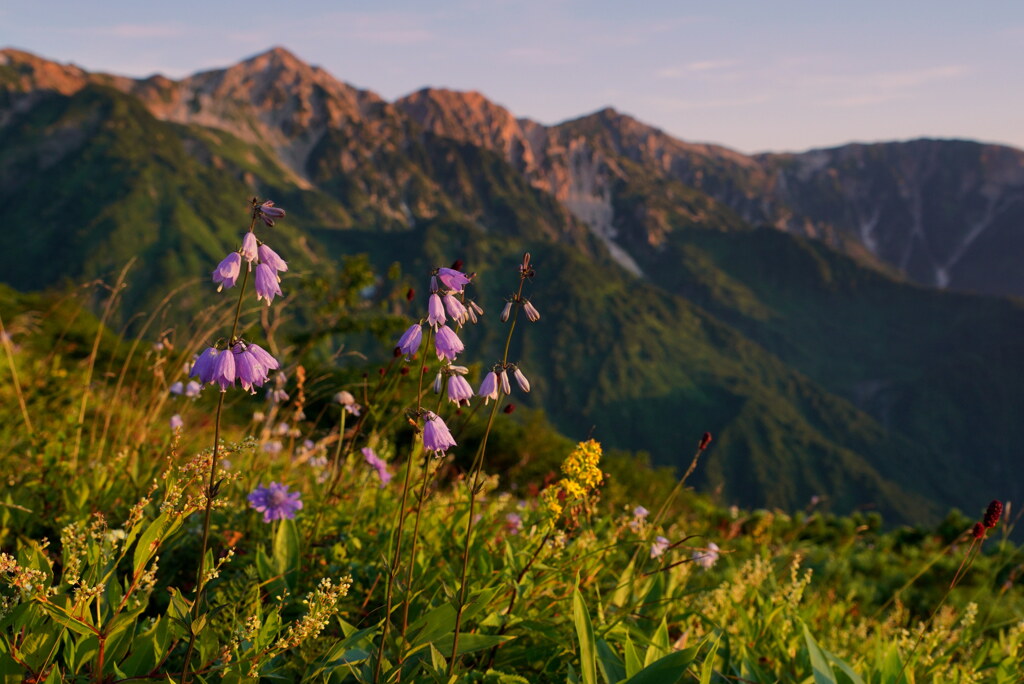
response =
{"points": [[302, 384]]}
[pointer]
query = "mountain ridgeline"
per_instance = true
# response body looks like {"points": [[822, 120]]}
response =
{"points": [[836, 318]]}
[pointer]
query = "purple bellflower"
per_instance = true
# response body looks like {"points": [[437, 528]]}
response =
{"points": [[226, 273], [267, 283], [503, 381], [435, 312], [410, 340], [521, 380], [192, 389], [271, 259], [224, 370], [454, 280], [489, 388], [177, 388], [456, 309], [176, 422], [268, 212], [248, 251], [458, 389], [531, 311], [263, 357], [251, 373], [447, 343], [203, 366], [275, 502], [436, 436], [708, 557], [378, 464]]}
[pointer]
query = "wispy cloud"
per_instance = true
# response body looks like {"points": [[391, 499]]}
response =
{"points": [[678, 104], [539, 56], [376, 28], [131, 31], [698, 67]]}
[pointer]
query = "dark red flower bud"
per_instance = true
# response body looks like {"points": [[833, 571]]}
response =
{"points": [[978, 532], [397, 352], [405, 370], [509, 408], [992, 515], [457, 265], [381, 371], [704, 441], [410, 294]]}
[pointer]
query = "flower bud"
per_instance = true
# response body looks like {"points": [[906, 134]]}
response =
{"points": [[505, 312]]}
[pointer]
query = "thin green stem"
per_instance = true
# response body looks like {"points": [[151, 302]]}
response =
{"points": [[211, 487], [474, 477], [400, 526]]}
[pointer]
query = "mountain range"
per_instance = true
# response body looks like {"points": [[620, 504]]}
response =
{"points": [[844, 320]]}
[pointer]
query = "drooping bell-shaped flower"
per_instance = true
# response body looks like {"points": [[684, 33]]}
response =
{"points": [[266, 283], [378, 464], [410, 340], [436, 436], [447, 343], [659, 547], [521, 380], [268, 212], [271, 259], [249, 247], [531, 311], [263, 357], [503, 381], [435, 312], [438, 379], [489, 387], [226, 273], [459, 389], [454, 280], [505, 312], [456, 309], [192, 389], [177, 388], [203, 367], [224, 370], [251, 373]]}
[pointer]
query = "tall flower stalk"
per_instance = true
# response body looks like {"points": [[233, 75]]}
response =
{"points": [[231, 360], [494, 385]]}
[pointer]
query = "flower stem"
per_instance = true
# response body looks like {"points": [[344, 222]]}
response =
{"points": [[400, 526], [211, 487], [474, 478]]}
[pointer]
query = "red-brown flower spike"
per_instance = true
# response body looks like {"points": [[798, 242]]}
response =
{"points": [[704, 441], [978, 532], [992, 514], [457, 265], [509, 408], [410, 295]]}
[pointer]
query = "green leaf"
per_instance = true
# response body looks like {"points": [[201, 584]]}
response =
{"points": [[844, 667], [659, 646], [823, 674], [469, 642], [286, 551], [585, 634], [633, 664], [150, 540], [708, 668], [609, 663], [666, 670]]}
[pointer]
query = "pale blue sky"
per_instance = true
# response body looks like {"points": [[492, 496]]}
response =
{"points": [[754, 75]]}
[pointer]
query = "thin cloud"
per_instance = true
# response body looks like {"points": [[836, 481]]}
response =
{"points": [[699, 67], [675, 104], [131, 31], [539, 56]]}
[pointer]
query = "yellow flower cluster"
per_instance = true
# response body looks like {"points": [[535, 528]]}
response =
{"points": [[581, 475]]}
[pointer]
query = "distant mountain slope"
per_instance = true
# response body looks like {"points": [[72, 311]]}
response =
{"points": [[667, 311]]}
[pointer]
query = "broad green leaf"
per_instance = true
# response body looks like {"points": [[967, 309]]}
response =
{"points": [[708, 668], [667, 670], [286, 551], [659, 646], [609, 663], [468, 642], [823, 674], [633, 664], [585, 634]]}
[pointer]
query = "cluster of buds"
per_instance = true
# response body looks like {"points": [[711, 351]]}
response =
{"points": [[989, 520], [269, 265], [445, 284], [526, 272], [497, 380]]}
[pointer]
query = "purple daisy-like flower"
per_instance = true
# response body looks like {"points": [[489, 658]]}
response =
{"points": [[436, 436], [378, 464], [435, 312], [447, 343], [249, 248], [267, 283], [268, 212], [459, 389], [275, 502], [454, 280], [203, 366], [489, 387], [456, 309], [271, 259], [410, 340], [226, 273]]}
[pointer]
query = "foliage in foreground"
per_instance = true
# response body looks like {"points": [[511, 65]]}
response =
{"points": [[568, 580]]}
